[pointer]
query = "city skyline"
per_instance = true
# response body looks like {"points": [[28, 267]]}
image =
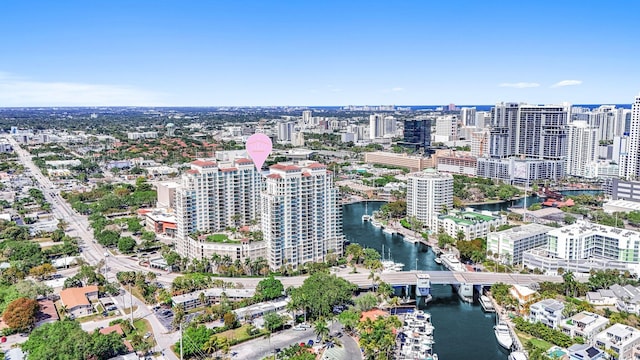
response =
{"points": [[315, 54]]}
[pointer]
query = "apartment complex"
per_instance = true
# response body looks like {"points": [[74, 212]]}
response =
{"points": [[630, 162], [530, 133], [470, 223], [584, 246], [428, 194], [510, 244], [301, 216], [583, 141], [212, 197]]}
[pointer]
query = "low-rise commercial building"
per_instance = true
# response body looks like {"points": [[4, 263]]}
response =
{"points": [[195, 299], [413, 163]]}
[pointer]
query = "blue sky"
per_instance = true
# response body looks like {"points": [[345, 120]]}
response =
{"points": [[182, 53]]}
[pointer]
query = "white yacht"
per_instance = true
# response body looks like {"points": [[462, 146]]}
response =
{"points": [[418, 337], [486, 303], [366, 216], [388, 231], [437, 260], [389, 265], [451, 262], [503, 335], [517, 355]]}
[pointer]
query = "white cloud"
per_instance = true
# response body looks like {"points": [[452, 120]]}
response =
{"points": [[15, 91], [397, 89], [566, 83], [520, 85]]}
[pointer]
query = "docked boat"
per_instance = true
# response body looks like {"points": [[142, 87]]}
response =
{"points": [[503, 335], [417, 337], [517, 355], [410, 239], [437, 260], [366, 216], [388, 231], [451, 262], [376, 223], [389, 265], [486, 303]]}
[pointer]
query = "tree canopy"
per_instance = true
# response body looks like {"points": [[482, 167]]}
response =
{"points": [[20, 315], [269, 289], [67, 337], [320, 292]]}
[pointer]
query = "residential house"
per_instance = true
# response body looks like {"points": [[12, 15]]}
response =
{"points": [[628, 298], [78, 300], [621, 339], [602, 297], [547, 311], [584, 324], [584, 352], [522, 293]]}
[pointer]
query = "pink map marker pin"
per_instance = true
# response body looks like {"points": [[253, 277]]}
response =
{"points": [[259, 147]]}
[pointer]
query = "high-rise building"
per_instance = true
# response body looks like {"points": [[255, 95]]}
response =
{"points": [[376, 126], [468, 116], [306, 117], [446, 128], [390, 126], [630, 165], [285, 131], [213, 196], [301, 216], [583, 142], [428, 194], [480, 143], [417, 133]]}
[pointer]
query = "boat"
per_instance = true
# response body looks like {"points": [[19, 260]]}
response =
{"points": [[437, 260], [486, 303], [451, 262], [375, 223], [417, 337], [503, 335], [388, 231], [410, 239], [389, 265], [517, 355], [366, 216]]}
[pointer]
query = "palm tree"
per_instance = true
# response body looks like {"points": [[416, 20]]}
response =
{"points": [[63, 310], [321, 329]]}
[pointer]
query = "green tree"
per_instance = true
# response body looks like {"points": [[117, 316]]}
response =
{"points": [[320, 292], [126, 244], [269, 289], [72, 341], [273, 321], [321, 329], [349, 319]]}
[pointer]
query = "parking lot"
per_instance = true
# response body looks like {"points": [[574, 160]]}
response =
{"points": [[165, 317]]}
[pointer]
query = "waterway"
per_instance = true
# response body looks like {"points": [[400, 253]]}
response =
{"points": [[462, 331]]}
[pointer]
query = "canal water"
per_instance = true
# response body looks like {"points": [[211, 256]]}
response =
{"points": [[462, 330]]}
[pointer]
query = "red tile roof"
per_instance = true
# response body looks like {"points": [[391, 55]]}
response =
{"points": [[274, 176], [285, 167], [114, 328], [243, 161], [317, 166], [72, 297], [193, 171], [229, 169], [203, 163]]}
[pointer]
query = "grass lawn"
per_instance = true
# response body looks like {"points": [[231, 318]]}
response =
{"points": [[142, 326], [539, 343], [239, 334], [220, 238]]}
